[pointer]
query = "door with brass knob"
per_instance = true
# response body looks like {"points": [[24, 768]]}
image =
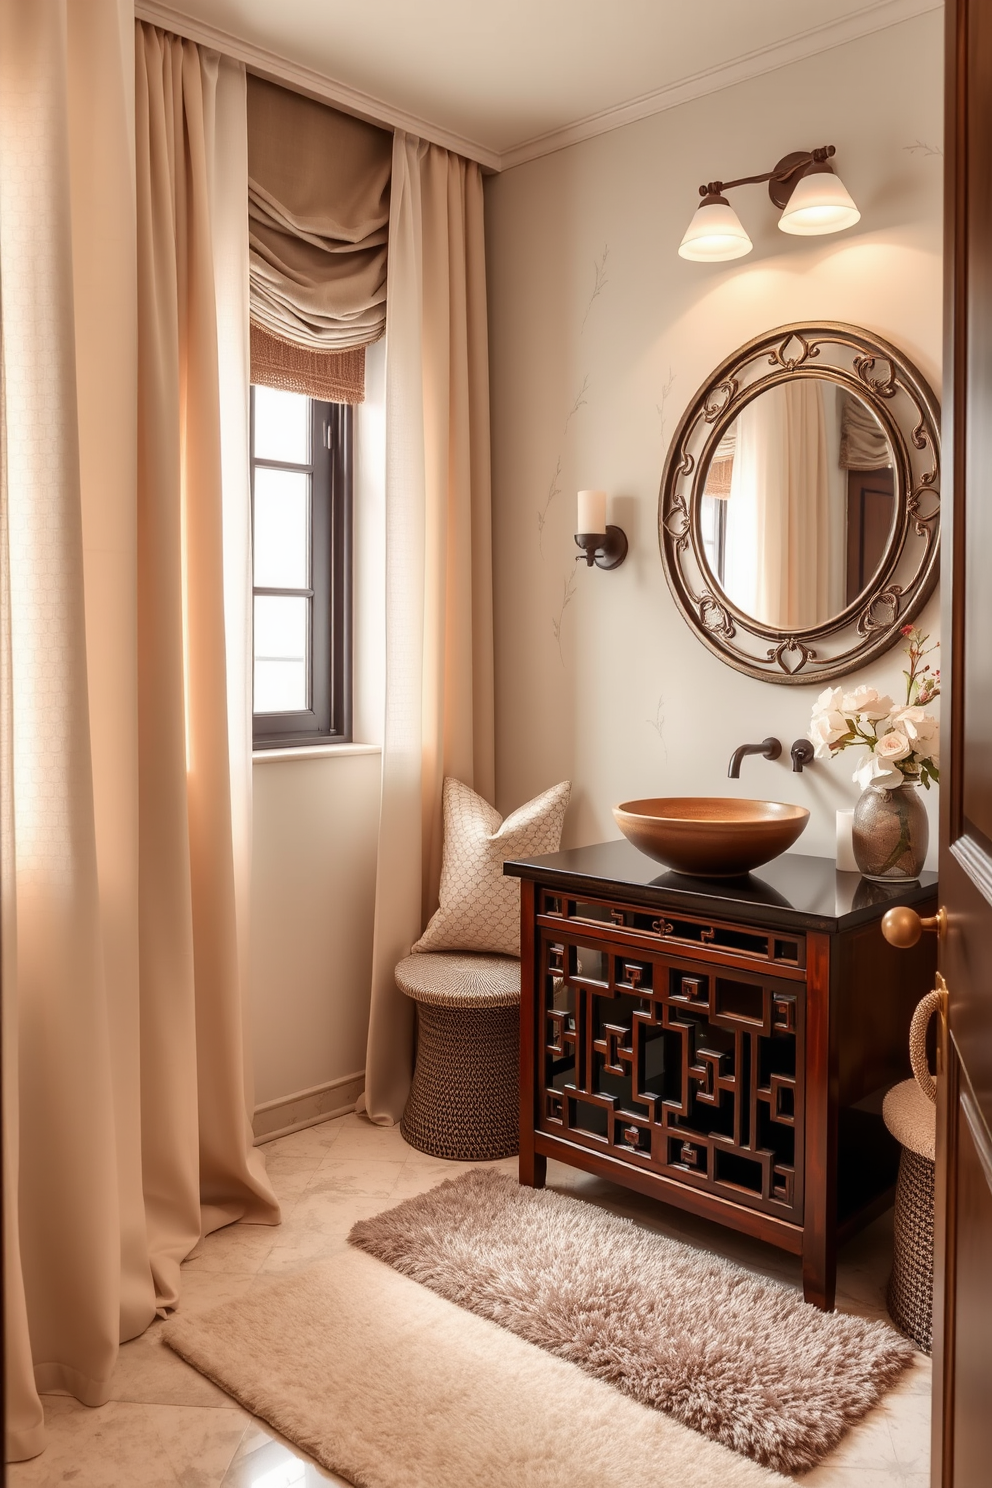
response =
{"points": [[903, 927], [962, 1358]]}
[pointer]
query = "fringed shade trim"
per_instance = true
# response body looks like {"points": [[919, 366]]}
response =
{"points": [[331, 376]]}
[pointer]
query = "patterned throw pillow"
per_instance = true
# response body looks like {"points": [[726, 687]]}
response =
{"points": [[479, 908]]}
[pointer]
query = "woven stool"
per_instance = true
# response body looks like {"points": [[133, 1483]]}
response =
{"points": [[910, 1115], [464, 1101]]}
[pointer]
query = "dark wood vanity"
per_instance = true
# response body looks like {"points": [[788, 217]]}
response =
{"points": [[723, 1046]]}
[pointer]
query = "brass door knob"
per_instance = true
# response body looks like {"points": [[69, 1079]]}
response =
{"points": [[902, 926]]}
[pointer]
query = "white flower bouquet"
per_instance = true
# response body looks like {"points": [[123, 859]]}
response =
{"points": [[902, 739]]}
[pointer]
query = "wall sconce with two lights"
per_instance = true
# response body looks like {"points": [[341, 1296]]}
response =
{"points": [[813, 200], [804, 186]]}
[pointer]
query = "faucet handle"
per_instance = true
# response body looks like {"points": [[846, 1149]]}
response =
{"points": [[802, 754]]}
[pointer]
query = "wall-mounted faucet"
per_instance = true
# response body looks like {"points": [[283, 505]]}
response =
{"points": [[770, 748], [802, 754]]}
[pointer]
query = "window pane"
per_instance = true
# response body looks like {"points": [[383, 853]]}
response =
{"points": [[280, 535], [281, 626], [280, 686], [282, 426]]}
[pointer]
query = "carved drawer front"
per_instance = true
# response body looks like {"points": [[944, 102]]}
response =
{"points": [[636, 925], [672, 1063]]}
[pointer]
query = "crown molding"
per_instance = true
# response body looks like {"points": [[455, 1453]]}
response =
{"points": [[879, 16], [303, 79], [269, 64]]}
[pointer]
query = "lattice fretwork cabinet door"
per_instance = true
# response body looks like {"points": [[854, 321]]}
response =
{"points": [[692, 1070]]}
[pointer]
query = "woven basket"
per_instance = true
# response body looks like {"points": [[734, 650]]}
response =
{"points": [[910, 1293], [464, 1103], [910, 1117]]}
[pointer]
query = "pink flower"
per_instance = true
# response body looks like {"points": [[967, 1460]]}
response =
{"points": [[866, 701], [824, 732], [918, 726], [875, 771], [893, 746], [828, 701]]}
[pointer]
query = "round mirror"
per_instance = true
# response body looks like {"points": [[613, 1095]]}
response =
{"points": [[800, 511], [798, 507]]}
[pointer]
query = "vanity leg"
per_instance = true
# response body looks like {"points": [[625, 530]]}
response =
{"points": [[533, 1167], [819, 1269], [820, 1216]]}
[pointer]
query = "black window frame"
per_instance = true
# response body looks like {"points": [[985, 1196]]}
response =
{"points": [[719, 560], [328, 720]]}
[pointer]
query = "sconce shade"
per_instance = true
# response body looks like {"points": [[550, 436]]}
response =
{"points": [[715, 233], [592, 511], [819, 203]]}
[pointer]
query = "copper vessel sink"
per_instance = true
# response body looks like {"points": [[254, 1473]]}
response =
{"points": [[710, 836]]}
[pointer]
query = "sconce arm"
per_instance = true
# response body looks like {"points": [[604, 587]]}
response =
{"points": [[606, 549], [782, 172]]}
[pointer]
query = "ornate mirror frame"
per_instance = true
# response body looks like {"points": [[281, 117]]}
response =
{"points": [[907, 410]]}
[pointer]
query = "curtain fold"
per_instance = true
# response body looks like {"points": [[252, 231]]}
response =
{"points": [[778, 540], [101, 144], [23, 1412], [71, 1192], [438, 557], [124, 830], [199, 1161]]}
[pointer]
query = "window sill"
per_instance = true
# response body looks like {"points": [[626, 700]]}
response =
{"points": [[312, 751]]}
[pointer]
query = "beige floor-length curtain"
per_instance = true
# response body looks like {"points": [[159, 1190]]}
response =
{"points": [[126, 1129], [73, 1202], [190, 138], [778, 540], [439, 647]]}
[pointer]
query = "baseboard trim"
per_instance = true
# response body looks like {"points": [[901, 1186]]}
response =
{"points": [[292, 1113]]}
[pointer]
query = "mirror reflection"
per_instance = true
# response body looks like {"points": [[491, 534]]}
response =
{"points": [[799, 503]]}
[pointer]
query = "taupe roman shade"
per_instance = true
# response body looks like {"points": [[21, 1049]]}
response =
{"points": [[318, 219], [720, 473], [863, 445]]}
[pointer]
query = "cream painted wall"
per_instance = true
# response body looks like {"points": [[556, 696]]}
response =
{"points": [[316, 824], [598, 676], [315, 831]]}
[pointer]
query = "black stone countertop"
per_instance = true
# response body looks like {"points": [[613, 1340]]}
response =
{"points": [[791, 892]]}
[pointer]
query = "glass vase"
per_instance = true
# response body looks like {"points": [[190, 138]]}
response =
{"points": [[891, 832]]}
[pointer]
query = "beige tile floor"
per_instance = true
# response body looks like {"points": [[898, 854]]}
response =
{"points": [[167, 1427]]}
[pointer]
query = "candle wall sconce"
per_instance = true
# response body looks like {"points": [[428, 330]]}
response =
{"points": [[601, 542]]}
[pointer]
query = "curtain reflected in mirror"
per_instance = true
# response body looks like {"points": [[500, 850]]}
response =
{"points": [[799, 504]]}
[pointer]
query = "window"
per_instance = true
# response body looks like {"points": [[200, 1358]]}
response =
{"points": [[301, 479], [713, 525]]}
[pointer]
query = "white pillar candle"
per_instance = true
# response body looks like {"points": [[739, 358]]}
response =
{"points": [[592, 511], [845, 842]]}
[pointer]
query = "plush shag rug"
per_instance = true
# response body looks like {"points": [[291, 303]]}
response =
{"points": [[742, 1360], [390, 1386]]}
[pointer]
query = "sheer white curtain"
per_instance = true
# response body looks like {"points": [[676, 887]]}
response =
{"points": [[438, 586], [125, 1096], [778, 534]]}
